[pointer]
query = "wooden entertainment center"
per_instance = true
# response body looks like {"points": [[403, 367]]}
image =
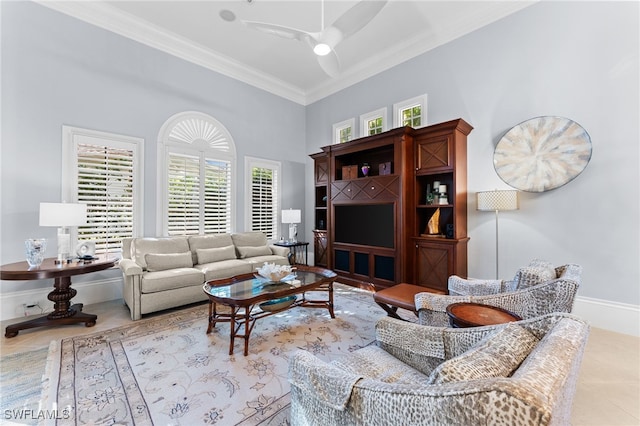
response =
{"points": [[371, 225]]}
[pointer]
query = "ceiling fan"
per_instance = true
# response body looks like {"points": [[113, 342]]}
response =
{"points": [[325, 41]]}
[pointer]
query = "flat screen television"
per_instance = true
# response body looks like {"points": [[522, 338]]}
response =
{"points": [[365, 224]]}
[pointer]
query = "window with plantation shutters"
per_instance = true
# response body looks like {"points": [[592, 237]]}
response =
{"points": [[263, 196], [196, 175], [102, 171]]}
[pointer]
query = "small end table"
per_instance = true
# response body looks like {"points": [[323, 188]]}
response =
{"points": [[468, 314], [63, 311], [400, 296], [296, 251]]}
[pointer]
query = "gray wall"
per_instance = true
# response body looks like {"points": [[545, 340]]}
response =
{"points": [[577, 60], [58, 70]]}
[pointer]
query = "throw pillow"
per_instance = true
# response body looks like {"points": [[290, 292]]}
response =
{"points": [[249, 251], [536, 273], [498, 355], [216, 254], [162, 262]]}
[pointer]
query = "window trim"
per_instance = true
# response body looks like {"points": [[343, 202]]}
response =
{"points": [[249, 164], [166, 146], [337, 127], [70, 142], [379, 113], [408, 103]]}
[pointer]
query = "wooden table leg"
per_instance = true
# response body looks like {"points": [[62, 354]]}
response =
{"points": [[63, 312]]}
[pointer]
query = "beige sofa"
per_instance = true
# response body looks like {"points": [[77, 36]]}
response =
{"points": [[162, 273]]}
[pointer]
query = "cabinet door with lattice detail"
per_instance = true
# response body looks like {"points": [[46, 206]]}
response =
{"points": [[434, 153], [434, 265]]}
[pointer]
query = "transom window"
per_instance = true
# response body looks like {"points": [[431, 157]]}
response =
{"points": [[343, 131], [412, 112], [374, 122], [196, 172]]}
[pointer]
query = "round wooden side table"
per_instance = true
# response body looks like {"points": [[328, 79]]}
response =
{"points": [[468, 314], [63, 311]]}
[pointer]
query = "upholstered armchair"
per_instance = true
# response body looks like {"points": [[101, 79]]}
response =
{"points": [[537, 272], [518, 373], [555, 295]]}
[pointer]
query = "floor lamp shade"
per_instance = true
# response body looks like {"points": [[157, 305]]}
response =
{"points": [[292, 217], [63, 215], [497, 201]]}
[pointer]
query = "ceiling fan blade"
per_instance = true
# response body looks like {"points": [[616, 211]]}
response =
{"points": [[280, 31], [330, 64], [356, 18]]}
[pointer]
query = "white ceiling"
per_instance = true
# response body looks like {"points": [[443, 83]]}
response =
{"points": [[195, 31]]}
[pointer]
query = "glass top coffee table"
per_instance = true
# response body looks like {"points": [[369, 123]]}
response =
{"points": [[250, 298]]}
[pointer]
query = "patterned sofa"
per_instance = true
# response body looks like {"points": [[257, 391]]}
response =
{"points": [[540, 290], [162, 273], [520, 373]]}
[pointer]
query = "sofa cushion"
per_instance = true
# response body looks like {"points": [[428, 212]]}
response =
{"points": [[165, 261], [249, 251], [141, 246], [153, 282], [217, 254], [258, 261], [254, 239], [498, 355], [224, 269], [375, 363], [208, 241]]}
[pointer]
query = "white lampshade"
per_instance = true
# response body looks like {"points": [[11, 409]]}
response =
{"points": [[63, 214], [497, 200], [291, 216]]}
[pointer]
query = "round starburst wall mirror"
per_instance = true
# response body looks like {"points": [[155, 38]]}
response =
{"points": [[542, 153]]}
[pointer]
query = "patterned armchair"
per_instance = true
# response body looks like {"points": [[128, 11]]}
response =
{"points": [[521, 373], [537, 272], [528, 301]]}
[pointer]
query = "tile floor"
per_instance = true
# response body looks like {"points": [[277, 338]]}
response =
{"points": [[608, 387]]}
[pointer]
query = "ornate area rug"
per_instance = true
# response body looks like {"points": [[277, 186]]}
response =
{"points": [[167, 371]]}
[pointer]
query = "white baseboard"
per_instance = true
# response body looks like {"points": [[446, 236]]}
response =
{"points": [[613, 316], [11, 304]]}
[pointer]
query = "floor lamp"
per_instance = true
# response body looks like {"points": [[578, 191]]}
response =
{"points": [[497, 201]]}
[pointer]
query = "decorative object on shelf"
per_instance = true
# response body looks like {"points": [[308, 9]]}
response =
{"points": [[63, 215], [433, 226], [35, 249], [274, 273], [542, 153], [497, 200], [349, 172], [365, 169], [443, 199], [429, 199], [292, 217], [384, 168], [86, 249]]}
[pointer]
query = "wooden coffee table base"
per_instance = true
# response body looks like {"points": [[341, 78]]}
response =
{"points": [[475, 315]]}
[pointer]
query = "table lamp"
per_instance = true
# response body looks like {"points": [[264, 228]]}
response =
{"points": [[497, 200], [63, 215], [292, 217]]}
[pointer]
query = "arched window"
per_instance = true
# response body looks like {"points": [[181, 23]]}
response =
{"points": [[196, 170]]}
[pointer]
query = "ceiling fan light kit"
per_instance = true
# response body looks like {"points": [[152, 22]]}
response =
{"points": [[324, 42]]}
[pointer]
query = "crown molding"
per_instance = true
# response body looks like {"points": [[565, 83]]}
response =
{"points": [[109, 18], [112, 19]]}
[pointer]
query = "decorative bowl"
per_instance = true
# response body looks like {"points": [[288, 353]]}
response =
{"points": [[277, 304], [274, 273]]}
